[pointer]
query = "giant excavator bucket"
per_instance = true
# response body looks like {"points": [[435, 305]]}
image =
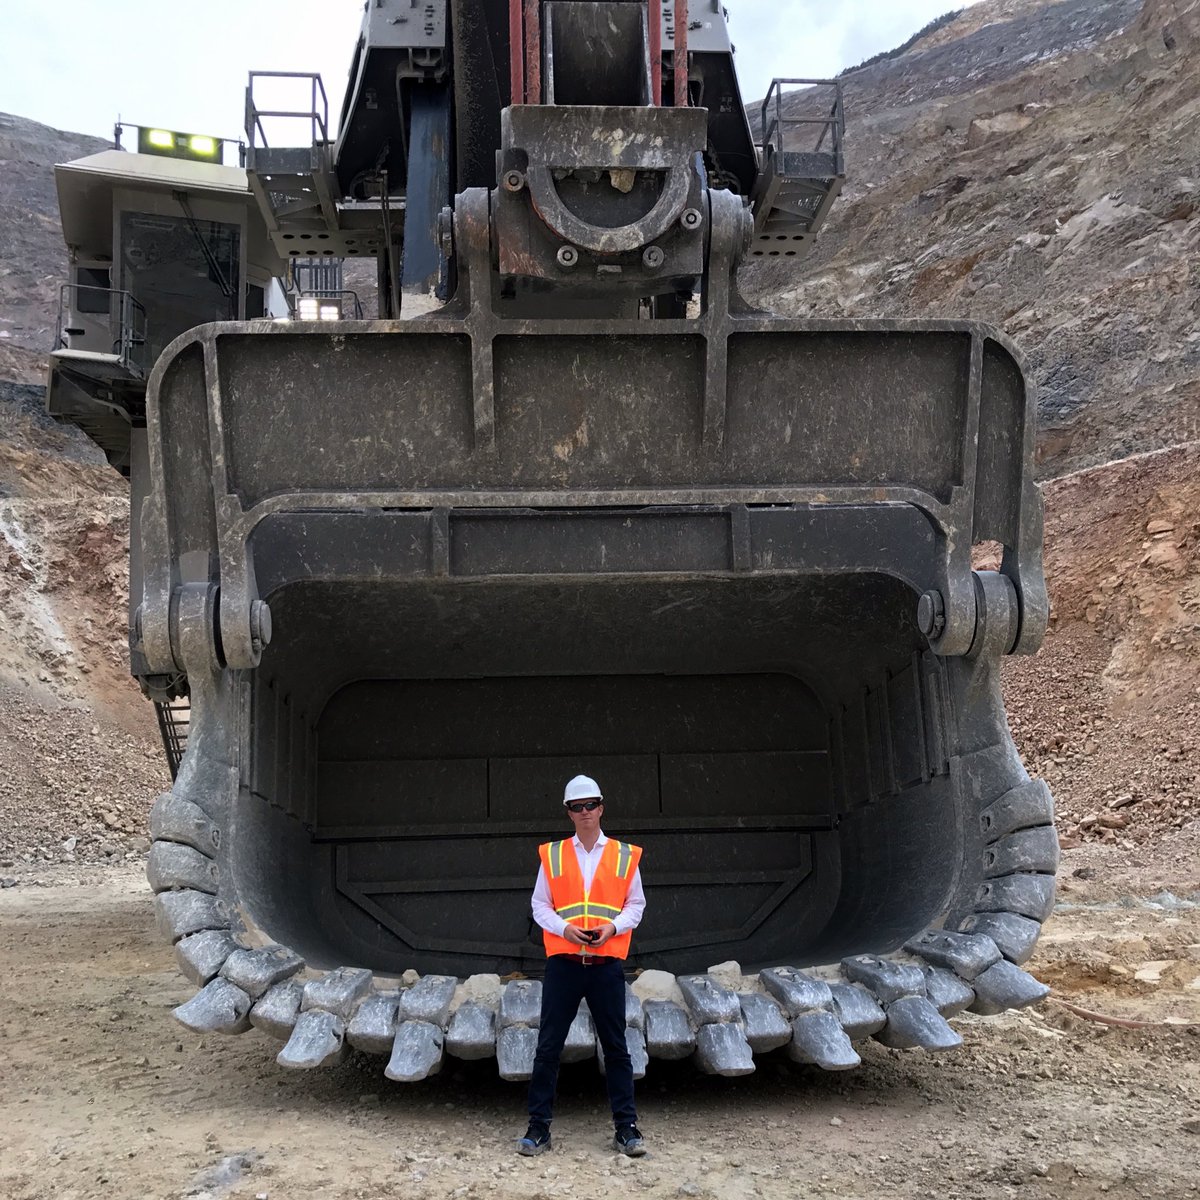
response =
{"points": [[418, 574]]}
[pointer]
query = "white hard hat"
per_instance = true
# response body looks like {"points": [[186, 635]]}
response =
{"points": [[582, 788]]}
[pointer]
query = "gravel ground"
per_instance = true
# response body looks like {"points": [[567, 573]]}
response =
{"points": [[74, 787], [105, 1097]]}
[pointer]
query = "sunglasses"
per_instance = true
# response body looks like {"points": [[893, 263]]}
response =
{"points": [[584, 806]]}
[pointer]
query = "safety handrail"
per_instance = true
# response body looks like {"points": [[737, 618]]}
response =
{"points": [[128, 315], [832, 126], [317, 114]]}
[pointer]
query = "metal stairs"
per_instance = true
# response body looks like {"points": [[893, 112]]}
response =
{"points": [[174, 723]]}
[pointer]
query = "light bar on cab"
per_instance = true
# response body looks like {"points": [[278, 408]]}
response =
{"points": [[170, 143]]}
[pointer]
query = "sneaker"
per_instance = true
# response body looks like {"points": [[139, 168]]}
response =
{"points": [[628, 1140], [535, 1141]]}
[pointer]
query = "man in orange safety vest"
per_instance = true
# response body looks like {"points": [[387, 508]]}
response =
{"points": [[588, 899]]}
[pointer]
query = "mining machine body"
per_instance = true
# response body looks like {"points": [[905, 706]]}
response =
{"points": [[572, 505]]}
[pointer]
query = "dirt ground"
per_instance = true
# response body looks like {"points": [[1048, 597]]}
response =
{"points": [[103, 1095]]}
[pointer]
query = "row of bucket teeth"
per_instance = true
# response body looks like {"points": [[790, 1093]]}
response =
{"points": [[903, 1003], [903, 1000]]}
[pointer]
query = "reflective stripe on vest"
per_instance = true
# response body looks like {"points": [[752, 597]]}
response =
{"points": [[624, 857], [588, 906]]}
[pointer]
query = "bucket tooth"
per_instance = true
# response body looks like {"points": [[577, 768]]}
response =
{"points": [[416, 1052], [520, 1003], [515, 1047], [1027, 895], [947, 993], [1006, 986], [581, 1037], [472, 1031], [669, 1033], [189, 911], [317, 1038], [1026, 850], [276, 1012], [765, 1026], [338, 992], [201, 955], [256, 970], [218, 1007], [709, 1001], [639, 1056], [966, 954], [913, 1022], [1023, 807], [796, 991], [372, 1029], [818, 1038], [174, 819], [1014, 935], [635, 1043], [428, 1000], [173, 865], [520, 1013], [634, 1016], [857, 1010], [722, 1049], [888, 979]]}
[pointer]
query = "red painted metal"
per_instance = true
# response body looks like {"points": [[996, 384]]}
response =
{"points": [[533, 51], [654, 36], [681, 57], [516, 54]]}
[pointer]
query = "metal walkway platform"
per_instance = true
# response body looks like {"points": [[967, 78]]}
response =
{"points": [[798, 184]]}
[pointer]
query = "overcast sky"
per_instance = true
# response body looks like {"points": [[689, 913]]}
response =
{"points": [[77, 64]]}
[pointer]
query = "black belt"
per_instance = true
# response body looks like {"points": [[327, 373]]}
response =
{"points": [[586, 960]]}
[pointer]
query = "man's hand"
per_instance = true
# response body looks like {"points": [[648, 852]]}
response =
{"points": [[572, 934], [607, 930]]}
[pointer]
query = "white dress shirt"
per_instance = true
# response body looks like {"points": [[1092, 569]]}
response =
{"points": [[543, 907]]}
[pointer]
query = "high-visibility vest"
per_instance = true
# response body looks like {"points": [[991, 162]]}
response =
{"points": [[591, 907]]}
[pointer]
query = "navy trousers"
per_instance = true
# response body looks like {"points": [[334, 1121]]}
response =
{"points": [[602, 985]]}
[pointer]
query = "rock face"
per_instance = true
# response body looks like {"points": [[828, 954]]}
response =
{"points": [[33, 259], [1032, 165]]}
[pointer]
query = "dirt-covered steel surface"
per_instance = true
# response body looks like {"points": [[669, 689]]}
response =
{"points": [[104, 1096]]}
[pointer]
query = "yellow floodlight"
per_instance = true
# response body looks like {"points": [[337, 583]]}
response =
{"points": [[170, 143]]}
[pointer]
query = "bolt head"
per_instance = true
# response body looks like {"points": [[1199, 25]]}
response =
{"points": [[513, 181], [567, 256], [931, 614], [260, 624], [445, 231], [691, 218], [653, 257]]}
